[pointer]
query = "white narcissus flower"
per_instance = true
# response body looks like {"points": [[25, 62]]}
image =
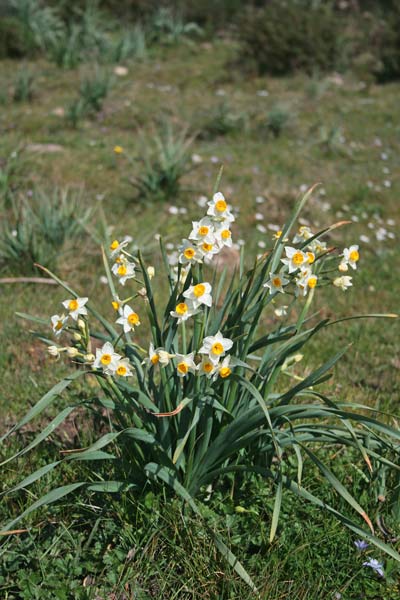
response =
{"points": [[76, 307], [223, 234], [218, 208], [215, 346], [206, 367], [305, 281], [58, 322], [351, 256], [199, 294], [203, 230], [295, 259], [116, 247], [183, 311], [123, 368], [123, 269], [224, 369], [343, 282], [185, 364], [209, 250], [276, 282], [189, 253], [304, 233], [316, 246], [158, 356], [106, 358], [129, 319]]}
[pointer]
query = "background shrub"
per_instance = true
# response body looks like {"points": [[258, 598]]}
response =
{"points": [[284, 37]]}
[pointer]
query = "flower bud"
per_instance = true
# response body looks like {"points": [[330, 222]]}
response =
{"points": [[72, 352], [81, 324], [53, 351], [151, 272], [240, 509], [142, 292], [77, 336], [89, 358]]}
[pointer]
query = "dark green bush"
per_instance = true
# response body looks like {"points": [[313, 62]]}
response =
{"points": [[285, 37], [13, 41], [385, 37]]}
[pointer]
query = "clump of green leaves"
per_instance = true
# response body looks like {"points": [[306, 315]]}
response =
{"points": [[168, 26], [214, 397], [164, 161], [94, 90], [222, 120], [277, 121], [24, 86], [37, 229], [131, 44]]}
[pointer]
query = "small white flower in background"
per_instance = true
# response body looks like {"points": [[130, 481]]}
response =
{"points": [[261, 228], [351, 256], [76, 307], [129, 319], [116, 247], [295, 259], [215, 346], [259, 216], [103, 279], [276, 283], [281, 311], [199, 294], [185, 364], [391, 222], [203, 230], [219, 208], [196, 159], [343, 282], [273, 227], [206, 367], [123, 368], [183, 311], [260, 199], [261, 244], [304, 233], [381, 234], [123, 269], [57, 323], [173, 210], [189, 253], [106, 358], [365, 239], [202, 201], [120, 70]]}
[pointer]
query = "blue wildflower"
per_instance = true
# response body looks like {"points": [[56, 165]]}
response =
{"points": [[375, 565], [361, 545]]}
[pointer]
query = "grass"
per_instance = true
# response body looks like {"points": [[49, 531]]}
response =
{"points": [[346, 139]]}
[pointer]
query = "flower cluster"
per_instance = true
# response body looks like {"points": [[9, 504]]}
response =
{"points": [[75, 308], [207, 362], [210, 234], [301, 263], [299, 268]]}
